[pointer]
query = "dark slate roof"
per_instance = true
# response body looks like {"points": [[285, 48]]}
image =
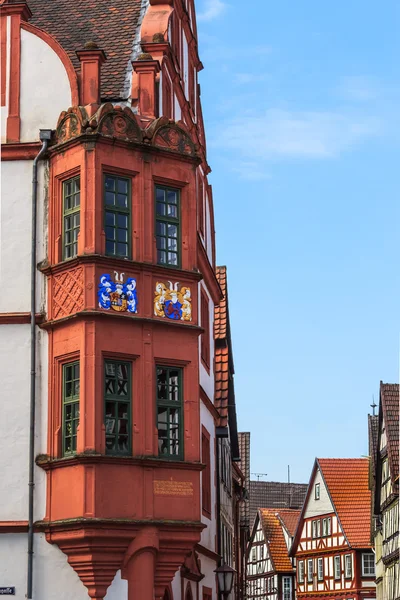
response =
{"points": [[111, 24], [244, 464], [373, 426], [389, 394], [273, 494]]}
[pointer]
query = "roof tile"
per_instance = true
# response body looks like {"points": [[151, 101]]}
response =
{"points": [[347, 480], [274, 536], [73, 24]]}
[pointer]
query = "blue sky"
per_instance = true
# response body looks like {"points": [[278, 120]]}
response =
{"points": [[301, 105]]}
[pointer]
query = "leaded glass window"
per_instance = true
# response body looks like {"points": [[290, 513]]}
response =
{"points": [[117, 215], [70, 397], [169, 412], [167, 226], [71, 216], [117, 401]]}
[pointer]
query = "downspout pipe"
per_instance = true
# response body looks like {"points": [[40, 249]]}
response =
{"points": [[45, 136]]}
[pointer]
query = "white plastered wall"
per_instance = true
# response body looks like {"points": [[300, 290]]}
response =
{"points": [[207, 379], [208, 231], [14, 425], [16, 235], [208, 534], [45, 89], [53, 577], [322, 506]]}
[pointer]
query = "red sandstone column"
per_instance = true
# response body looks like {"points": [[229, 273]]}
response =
{"points": [[140, 575]]}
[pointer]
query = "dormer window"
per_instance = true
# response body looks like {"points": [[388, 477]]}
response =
{"points": [[317, 491]]}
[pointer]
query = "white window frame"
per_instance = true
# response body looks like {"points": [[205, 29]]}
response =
{"points": [[348, 566], [329, 525], [313, 529], [300, 571], [287, 594], [320, 569], [363, 557], [336, 564], [310, 572], [317, 491], [324, 527], [318, 528]]}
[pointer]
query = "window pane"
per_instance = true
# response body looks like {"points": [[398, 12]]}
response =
{"points": [[123, 186], [110, 218], [110, 198], [161, 209], [122, 200], [110, 183], [160, 194]]}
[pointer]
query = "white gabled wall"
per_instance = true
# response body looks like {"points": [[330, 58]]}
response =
{"points": [[322, 506], [45, 88]]}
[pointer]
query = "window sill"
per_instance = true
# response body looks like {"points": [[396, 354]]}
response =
{"points": [[47, 463]]}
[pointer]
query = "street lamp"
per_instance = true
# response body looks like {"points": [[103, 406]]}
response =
{"points": [[225, 575]]}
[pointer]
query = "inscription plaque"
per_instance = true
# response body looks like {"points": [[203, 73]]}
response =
{"points": [[173, 488]]}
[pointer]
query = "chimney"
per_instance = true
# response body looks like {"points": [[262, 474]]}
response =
{"points": [[146, 70], [91, 60]]}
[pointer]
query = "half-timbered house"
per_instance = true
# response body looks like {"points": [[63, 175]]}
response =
{"points": [[332, 544], [386, 505], [270, 570]]}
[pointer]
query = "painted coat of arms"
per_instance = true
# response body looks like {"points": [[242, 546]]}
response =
{"points": [[117, 295], [172, 302]]}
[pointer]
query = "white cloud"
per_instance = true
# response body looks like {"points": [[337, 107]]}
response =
{"points": [[212, 10], [282, 134]]}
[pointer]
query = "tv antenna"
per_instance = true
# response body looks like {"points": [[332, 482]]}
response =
{"points": [[258, 475]]}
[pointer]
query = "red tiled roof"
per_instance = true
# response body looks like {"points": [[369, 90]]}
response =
{"points": [[275, 539], [347, 480], [290, 518], [389, 393], [222, 384], [221, 317], [111, 24], [221, 350]]}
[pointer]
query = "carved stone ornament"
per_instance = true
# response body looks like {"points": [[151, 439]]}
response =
{"points": [[68, 295], [171, 302], [116, 122], [172, 137]]}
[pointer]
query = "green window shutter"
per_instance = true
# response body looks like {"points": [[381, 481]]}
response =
{"points": [[71, 217], [70, 400], [167, 222], [117, 216], [117, 407], [169, 412]]}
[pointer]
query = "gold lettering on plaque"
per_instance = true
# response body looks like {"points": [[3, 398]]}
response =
{"points": [[173, 488]]}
